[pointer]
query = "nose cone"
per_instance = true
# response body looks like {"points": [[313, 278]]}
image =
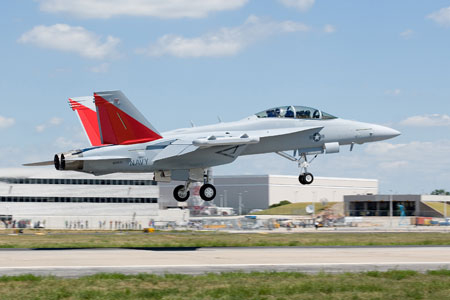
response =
{"points": [[383, 133]]}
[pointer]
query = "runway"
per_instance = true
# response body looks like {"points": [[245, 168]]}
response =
{"points": [[80, 262]]}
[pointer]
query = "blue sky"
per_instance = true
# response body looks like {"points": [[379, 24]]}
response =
{"points": [[384, 62]]}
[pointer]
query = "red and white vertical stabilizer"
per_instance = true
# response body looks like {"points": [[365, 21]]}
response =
{"points": [[120, 123], [85, 109]]}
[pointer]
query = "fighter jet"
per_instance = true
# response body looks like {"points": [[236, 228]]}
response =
{"points": [[123, 140]]}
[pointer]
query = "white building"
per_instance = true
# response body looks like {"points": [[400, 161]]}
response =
{"points": [[65, 199], [248, 192]]}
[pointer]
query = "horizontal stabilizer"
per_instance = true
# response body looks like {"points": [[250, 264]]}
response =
{"points": [[38, 164]]}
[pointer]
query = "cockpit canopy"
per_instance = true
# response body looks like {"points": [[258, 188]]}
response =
{"points": [[295, 112]]}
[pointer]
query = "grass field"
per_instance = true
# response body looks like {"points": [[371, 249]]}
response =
{"points": [[295, 209], [218, 239], [371, 285], [440, 207]]}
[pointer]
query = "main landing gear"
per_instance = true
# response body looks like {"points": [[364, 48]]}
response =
{"points": [[207, 191], [181, 193]]}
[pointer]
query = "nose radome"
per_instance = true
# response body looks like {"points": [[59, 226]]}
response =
{"points": [[384, 133]]}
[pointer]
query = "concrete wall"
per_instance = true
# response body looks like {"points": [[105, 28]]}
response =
{"points": [[93, 215]]}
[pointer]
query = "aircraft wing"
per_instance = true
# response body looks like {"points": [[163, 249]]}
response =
{"points": [[283, 131], [246, 138], [182, 147]]}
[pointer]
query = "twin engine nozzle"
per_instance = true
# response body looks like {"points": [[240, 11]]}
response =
{"points": [[63, 161]]}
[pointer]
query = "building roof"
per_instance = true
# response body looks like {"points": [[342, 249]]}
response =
{"points": [[51, 172]]}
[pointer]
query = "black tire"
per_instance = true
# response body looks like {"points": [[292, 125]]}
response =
{"points": [[207, 192], [308, 178], [301, 179], [178, 195]]}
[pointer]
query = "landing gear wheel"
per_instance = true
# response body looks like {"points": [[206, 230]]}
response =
{"points": [[301, 179], [207, 192], [308, 178], [180, 194]]}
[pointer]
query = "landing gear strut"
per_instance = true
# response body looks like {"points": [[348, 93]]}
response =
{"points": [[305, 177]]}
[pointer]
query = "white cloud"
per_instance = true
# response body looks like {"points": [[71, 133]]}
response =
{"points": [[55, 121], [67, 38], [102, 68], [103, 9], [381, 148], [407, 34], [6, 122], [442, 17], [329, 28], [394, 92], [432, 120], [65, 143], [302, 5], [420, 155], [225, 42], [41, 128], [393, 165]]}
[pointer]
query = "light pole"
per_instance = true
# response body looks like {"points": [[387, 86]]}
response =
{"points": [[240, 203], [225, 199], [390, 208], [445, 210]]}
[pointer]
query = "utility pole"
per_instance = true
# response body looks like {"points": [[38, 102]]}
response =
{"points": [[445, 210], [390, 210], [240, 203]]}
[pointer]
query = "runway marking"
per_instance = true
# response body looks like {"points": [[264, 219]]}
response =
{"points": [[233, 265]]}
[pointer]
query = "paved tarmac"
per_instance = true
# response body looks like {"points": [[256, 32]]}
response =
{"points": [[80, 262]]}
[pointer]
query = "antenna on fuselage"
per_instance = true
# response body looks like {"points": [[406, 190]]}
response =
{"points": [[192, 123], [218, 118]]}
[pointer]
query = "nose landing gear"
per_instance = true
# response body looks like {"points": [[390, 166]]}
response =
{"points": [[305, 177]]}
